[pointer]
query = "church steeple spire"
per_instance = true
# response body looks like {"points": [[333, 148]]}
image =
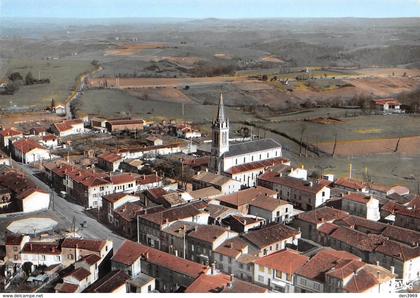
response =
{"points": [[221, 110], [220, 138]]}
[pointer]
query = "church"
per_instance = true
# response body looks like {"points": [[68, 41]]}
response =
{"points": [[243, 161]]}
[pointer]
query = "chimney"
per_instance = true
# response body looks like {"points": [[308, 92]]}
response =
{"points": [[231, 245], [392, 269], [146, 255], [377, 263]]}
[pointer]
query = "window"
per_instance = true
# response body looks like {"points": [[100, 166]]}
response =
{"points": [[70, 257], [101, 188], [260, 278], [42, 257], [149, 288], [261, 268], [15, 248], [230, 260], [278, 274]]}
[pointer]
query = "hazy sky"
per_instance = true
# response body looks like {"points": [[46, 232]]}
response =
{"points": [[209, 8]]}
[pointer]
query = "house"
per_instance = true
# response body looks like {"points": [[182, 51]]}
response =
{"points": [[309, 222], [349, 184], [235, 256], [9, 134], [114, 282], [240, 200], [74, 249], [146, 182], [125, 125], [408, 218], [109, 161], [277, 271], [49, 141], [7, 202], [38, 131], [151, 225], [41, 253], [124, 182], [84, 274], [203, 240], [225, 184], [205, 193], [247, 173], [25, 195], [142, 283], [242, 224], [361, 205], [332, 271], [222, 283], [68, 127], [305, 195], [387, 105], [28, 151], [272, 210], [171, 273], [154, 141], [59, 110], [272, 238], [13, 245], [132, 165], [113, 201]]}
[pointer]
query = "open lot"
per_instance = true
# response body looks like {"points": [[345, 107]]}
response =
{"points": [[62, 75]]}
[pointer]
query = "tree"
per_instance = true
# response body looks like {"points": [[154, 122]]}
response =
{"points": [[52, 103], [29, 79]]}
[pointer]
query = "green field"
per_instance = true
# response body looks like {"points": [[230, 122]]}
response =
{"points": [[62, 75]]}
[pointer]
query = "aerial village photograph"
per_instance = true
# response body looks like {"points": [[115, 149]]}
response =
{"points": [[209, 146]]}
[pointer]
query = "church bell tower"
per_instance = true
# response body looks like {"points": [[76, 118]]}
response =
{"points": [[220, 138]]}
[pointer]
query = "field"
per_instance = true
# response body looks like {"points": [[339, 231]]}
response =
{"points": [[62, 75], [133, 49]]}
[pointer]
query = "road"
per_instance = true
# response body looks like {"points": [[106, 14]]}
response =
{"points": [[68, 210]]}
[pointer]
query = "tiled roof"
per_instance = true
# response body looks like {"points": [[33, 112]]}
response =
{"points": [[322, 262], [222, 283], [123, 178], [270, 234], [52, 248], [246, 196], [148, 179], [110, 157], [26, 145], [350, 183], [323, 214], [115, 197], [172, 214], [387, 101], [13, 239], [207, 233], [126, 122], [252, 166], [204, 193], [66, 288], [232, 247], [130, 251], [90, 259], [10, 132], [362, 241], [109, 282], [358, 198], [251, 147], [287, 261], [212, 178], [268, 203], [86, 244], [294, 183], [79, 274]]}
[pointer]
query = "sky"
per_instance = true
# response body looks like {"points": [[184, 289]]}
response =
{"points": [[209, 8]]}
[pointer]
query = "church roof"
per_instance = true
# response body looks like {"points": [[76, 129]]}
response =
{"points": [[221, 110], [251, 146]]}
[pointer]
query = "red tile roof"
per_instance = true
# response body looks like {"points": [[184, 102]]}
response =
{"points": [[13, 239], [122, 179], [110, 157], [207, 233], [294, 183], [66, 288], [252, 166], [222, 283], [10, 132], [148, 179], [26, 145], [115, 197], [270, 234], [350, 183], [324, 214], [246, 196], [358, 198], [46, 248], [86, 244], [287, 261], [268, 203], [322, 262], [130, 251], [109, 283], [79, 274], [384, 101]]}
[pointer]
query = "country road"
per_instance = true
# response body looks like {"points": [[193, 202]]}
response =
{"points": [[68, 210]]}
